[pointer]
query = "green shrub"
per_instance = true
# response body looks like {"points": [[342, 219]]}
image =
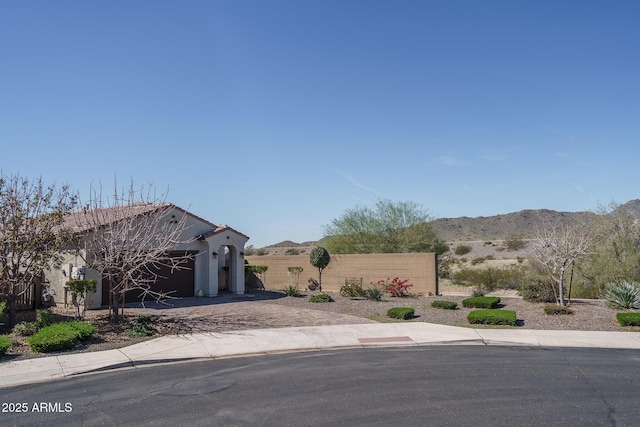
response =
{"points": [[3, 307], [446, 305], [554, 309], [292, 251], [5, 343], [60, 336], [481, 302], [628, 319], [623, 296], [402, 313], [321, 298], [373, 293], [492, 317], [462, 250], [44, 318], [291, 290], [25, 329], [490, 278], [537, 289], [141, 327], [352, 290]]}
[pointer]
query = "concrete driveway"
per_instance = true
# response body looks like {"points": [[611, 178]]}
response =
{"points": [[236, 312]]}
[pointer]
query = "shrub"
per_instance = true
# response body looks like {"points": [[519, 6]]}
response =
{"points": [[537, 289], [514, 243], [141, 327], [478, 260], [628, 319], [554, 309], [25, 329], [395, 287], [462, 250], [60, 336], [491, 278], [402, 313], [44, 318], [373, 293], [3, 307], [492, 317], [5, 343], [623, 296], [481, 302], [351, 290], [447, 305], [321, 298], [291, 290], [292, 251]]}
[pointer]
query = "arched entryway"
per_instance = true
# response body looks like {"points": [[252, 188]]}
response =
{"points": [[226, 262]]}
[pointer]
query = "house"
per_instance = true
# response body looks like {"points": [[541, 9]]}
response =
{"points": [[217, 262]]}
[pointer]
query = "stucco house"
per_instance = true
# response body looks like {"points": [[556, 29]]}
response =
{"points": [[217, 263]]}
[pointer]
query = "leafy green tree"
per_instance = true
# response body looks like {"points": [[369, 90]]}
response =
{"points": [[616, 258], [33, 233], [319, 258], [388, 227]]}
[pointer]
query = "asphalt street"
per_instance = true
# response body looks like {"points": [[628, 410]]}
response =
{"points": [[446, 385]]}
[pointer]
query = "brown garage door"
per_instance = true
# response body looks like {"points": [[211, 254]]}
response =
{"points": [[180, 283]]}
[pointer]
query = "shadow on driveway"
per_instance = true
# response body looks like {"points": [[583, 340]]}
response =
{"points": [[222, 298]]}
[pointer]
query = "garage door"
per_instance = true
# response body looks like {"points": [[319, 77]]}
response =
{"points": [[179, 283]]}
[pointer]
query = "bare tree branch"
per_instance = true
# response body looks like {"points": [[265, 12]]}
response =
{"points": [[128, 237]]}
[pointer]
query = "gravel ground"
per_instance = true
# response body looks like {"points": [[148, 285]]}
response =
{"points": [[589, 315], [253, 313]]}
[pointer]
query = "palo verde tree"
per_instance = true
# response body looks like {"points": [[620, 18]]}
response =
{"points": [[556, 248], [128, 237], [388, 227], [319, 258], [33, 233]]}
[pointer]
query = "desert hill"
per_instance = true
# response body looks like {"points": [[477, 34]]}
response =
{"points": [[498, 227]]}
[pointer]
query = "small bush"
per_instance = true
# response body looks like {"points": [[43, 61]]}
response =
{"points": [[553, 309], [514, 243], [394, 287], [5, 343], [462, 250], [3, 307], [141, 327], [623, 296], [628, 319], [373, 293], [292, 251], [44, 318], [492, 317], [351, 290], [25, 329], [446, 305], [321, 298], [537, 289], [402, 313], [478, 260], [291, 290], [60, 336], [481, 302]]}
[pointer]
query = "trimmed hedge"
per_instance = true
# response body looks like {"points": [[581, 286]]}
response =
{"points": [[446, 305], [628, 319], [481, 302], [554, 309], [5, 343], [61, 336], [402, 313], [492, 317], [321, 298]]}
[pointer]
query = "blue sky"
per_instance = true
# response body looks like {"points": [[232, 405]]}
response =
{"points": [[276, 116]]}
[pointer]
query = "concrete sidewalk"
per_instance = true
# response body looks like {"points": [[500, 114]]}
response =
{"points": [[213, 345]]}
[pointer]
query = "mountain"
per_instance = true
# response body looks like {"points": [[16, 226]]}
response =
{"points": [[498, 227]]}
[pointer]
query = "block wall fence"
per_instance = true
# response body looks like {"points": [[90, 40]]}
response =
{"points": [[419, 268]]}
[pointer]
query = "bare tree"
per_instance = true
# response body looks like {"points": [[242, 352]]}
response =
{"points": [[32, 233], [128, 237], [557, 246]]}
